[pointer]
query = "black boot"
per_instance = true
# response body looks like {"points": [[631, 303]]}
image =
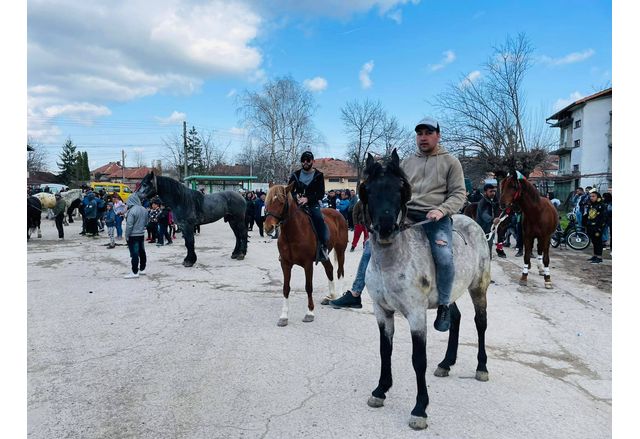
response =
{"points": [[443, 319]]}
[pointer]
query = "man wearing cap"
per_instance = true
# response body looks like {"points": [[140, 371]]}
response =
{"points": [[437, 192], [58, 212], [487, 213], [308, 191]]}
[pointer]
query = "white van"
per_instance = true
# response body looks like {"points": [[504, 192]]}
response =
{"points": [[54, 188]]}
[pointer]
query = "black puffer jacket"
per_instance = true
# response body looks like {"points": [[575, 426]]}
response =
{"points": [[314, 191]]}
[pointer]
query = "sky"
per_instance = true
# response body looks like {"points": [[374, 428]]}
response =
{"points": [[124, 75]]}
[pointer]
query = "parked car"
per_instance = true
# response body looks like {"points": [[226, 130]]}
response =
{"points": [[109, 188]]}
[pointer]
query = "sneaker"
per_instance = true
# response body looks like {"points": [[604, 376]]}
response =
{"points": [[443, 319], [142, 272], [159, 244], [348, 300], [131, 275], [519, 254], [592, 258], [352, 249], [501, 253], [170, 242], [596, 260]]}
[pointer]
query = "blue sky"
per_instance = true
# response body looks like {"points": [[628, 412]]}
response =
{"points": [[124, 77]]}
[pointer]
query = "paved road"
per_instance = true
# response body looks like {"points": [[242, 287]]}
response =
{"points": [[196, 353]]}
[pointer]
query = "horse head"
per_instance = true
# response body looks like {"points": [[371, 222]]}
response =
{"points": [[276, 206], [511, 189], [385, 193], [148, 187]]}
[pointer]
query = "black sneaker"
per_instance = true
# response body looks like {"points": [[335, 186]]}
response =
{"points": [[596, 260], [519, 254], [501, 253], [592, 258], [443, 319], [348, 300]]}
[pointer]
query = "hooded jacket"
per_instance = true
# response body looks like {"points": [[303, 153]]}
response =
{"points": [[314, 191], [137, 217], [437, 182]]}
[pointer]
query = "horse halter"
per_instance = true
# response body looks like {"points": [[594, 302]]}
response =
{"points": [[283, 215]]}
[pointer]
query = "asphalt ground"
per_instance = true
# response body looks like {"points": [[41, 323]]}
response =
{"points": [[196, 352]]}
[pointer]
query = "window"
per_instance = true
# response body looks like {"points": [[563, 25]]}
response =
{"points": [[334, 180], [126, 189], [576, 168], [576, 143], [353, 180], [577, 124]]}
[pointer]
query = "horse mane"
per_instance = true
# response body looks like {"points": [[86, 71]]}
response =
{"points": [[178, 193], [527, 186]]}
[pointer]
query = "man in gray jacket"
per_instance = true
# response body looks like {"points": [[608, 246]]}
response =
{"points": [[137, 219], [437, 192]]}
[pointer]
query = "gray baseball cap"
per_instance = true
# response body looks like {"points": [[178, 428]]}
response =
{"points": [[430, 123]]}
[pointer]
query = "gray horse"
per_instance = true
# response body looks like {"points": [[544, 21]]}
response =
{"points": [[401, 277]]}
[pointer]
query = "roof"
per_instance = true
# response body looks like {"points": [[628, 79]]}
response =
{"points": [[39, 177], [221, 177], [331, 167], [558, 115], [114, 170]]}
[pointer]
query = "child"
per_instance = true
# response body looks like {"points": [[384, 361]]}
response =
{"points": [[110, 222]]}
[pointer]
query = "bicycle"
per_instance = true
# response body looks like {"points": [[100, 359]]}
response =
{"points": [[573, 235]]}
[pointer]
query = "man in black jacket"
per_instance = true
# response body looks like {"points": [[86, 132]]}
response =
{"points": [[308, 191], [488, 211]]}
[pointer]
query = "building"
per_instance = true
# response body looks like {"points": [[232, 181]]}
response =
{"points": [[544, 175], [113, 172], [223, 178], [585, 144], [338, 174]]}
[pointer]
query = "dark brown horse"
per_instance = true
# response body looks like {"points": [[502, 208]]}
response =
{"points": [[539, 221], [297, 244]]}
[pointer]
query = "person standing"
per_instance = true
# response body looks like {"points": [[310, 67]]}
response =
{"points": [[91, 214], [486, 215], [137, 219], [607, 236], [163, 226], [359, 225], [58, 212], [437, 192], [308, 191], [120, 209], [259, 213], [595, 220], [250, 210], [110, 221], [153, 220]]}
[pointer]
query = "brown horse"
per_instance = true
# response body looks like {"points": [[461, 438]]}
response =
{"points": [[539, 221], [297, 244]]}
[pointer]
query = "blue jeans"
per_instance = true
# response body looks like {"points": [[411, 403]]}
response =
{"points": [[442, 256], [358, 283], [119, 226], [137, 253]]}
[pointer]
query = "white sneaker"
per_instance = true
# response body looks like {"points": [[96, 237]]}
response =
{"points": [[142, 273], [131, 275]]}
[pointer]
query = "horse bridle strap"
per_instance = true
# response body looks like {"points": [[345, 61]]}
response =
{"points": [[283, 216]]}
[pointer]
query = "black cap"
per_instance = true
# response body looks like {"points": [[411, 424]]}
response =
{"points": [[307, 155], [488, 186]]}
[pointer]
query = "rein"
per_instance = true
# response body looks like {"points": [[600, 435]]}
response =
{"points": [[283, 215], [494, 227]]}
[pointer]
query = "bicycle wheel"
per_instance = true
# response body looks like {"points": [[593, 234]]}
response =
{"points": [[578, 240], [555, 240]]}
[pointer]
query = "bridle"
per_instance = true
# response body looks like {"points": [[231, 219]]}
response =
{"points": [[283, 215]]}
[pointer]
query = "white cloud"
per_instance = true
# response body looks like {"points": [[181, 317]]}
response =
{"points": [[563, 102], [316, 84], [338, 8], [175, 117], [237, 131], [470, 78], [571, 58], [449, 57], [232, 93], [395, 16], [365, 71], [92, 52]]}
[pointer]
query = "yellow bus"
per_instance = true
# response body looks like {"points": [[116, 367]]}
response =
{"points": [[121, 189]]}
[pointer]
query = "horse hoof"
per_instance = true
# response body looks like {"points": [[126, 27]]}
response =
{"points": [[523, 282], [234, 256], [418, 422], [441, 372], [325, 301], [283, 322], [375, 402], [240, 257], [308, 318], [481, 375], [187, 263], [548, 285]]}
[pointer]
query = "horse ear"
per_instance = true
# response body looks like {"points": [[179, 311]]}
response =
{"points": [[289, 187], [370, 161], [395, 159]]}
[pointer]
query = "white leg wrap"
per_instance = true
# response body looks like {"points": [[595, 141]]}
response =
{"points": [[332, 289], [285, 309], [546, 271], [525, 269]]}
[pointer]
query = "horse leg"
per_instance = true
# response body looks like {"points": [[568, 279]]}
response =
{"points": [[286, 288], [540, 248], [386, 328], [308, 286], [418, 326], [547, 275], [328, 269], [452, 347], [189, 242], [480, 306], [528, 247], [236, 232]]}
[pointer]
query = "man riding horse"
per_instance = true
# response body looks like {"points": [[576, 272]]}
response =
{"points": [[308, 190], [437, 192]]}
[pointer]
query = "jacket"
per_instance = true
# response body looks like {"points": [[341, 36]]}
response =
{"points": [[359, 214], [137, 217], [487, 211], [437, 182], [314, 191], [90, 206], [110, 218], [59, 207], [596, 215]]}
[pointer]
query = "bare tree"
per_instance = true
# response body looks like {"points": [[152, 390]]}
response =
{"points": [[396, 137], [279, 118], [364, 125], [36, 156], [487, 118], [174, 154]]}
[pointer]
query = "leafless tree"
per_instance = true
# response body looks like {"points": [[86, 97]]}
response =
{"points": [[279, 119], [36, 156], [174, 154], [364, 124], [396, 137], [487, 118]]}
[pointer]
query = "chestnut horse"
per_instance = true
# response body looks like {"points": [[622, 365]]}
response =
{"points": [[539, 221], [297, 244]]}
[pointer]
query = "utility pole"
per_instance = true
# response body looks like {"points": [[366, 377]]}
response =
{"points": [[123, 156], [184, 136]]}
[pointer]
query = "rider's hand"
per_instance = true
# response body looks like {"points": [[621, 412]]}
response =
{"points": [[302, 201], [435, 215]]}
